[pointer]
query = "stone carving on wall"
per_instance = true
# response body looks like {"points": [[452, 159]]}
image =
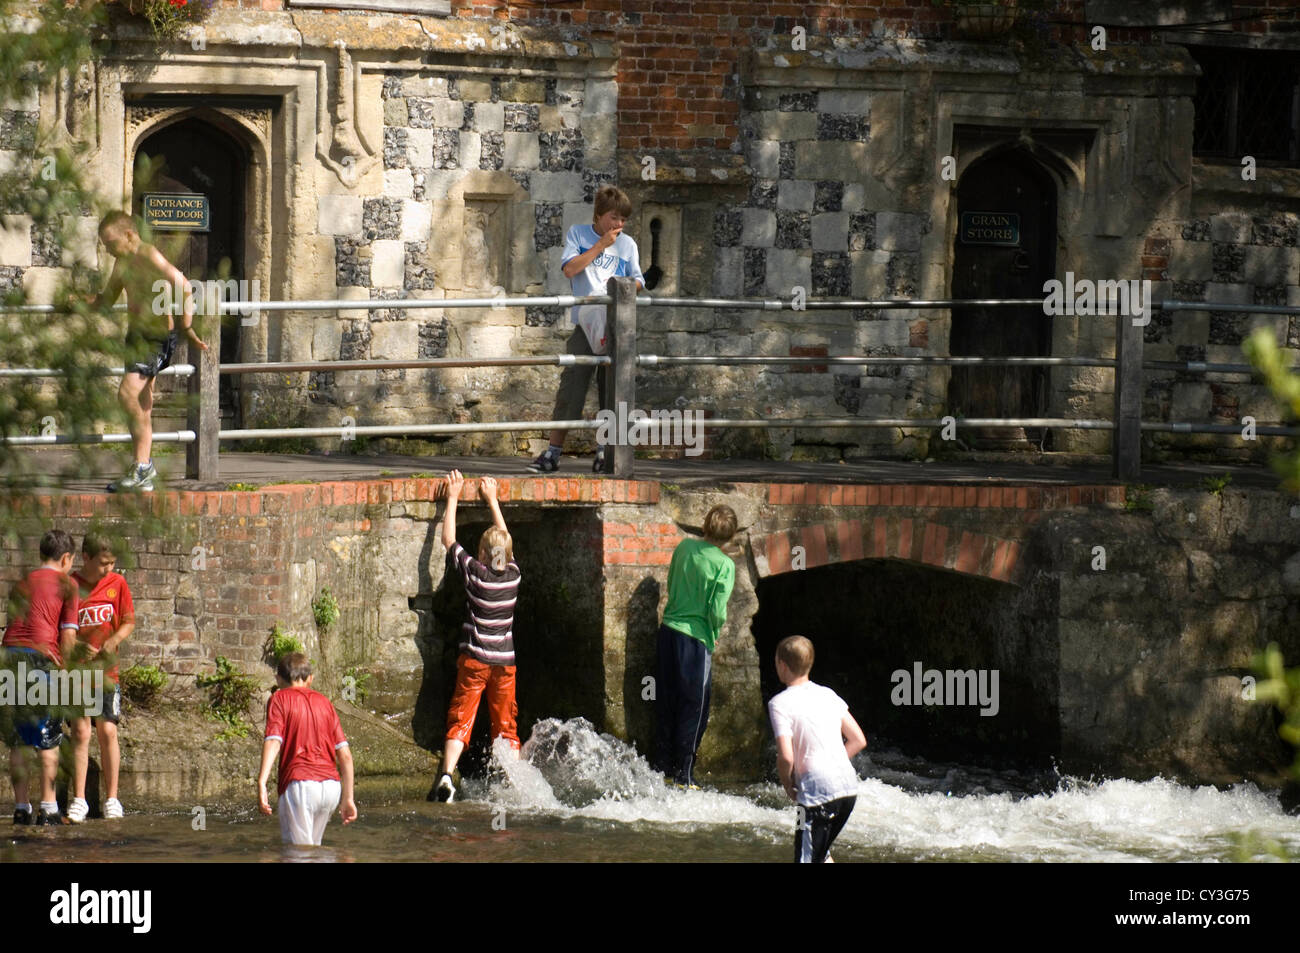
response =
{"points": [[76, 102], [485, 246], [337, 135]]}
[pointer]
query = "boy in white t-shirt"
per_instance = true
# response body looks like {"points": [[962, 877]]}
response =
{"points": [[815, 738], [592, 255]]}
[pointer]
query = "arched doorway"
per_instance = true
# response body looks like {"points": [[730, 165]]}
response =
{"points": [[193, 156], [1005, 247]]}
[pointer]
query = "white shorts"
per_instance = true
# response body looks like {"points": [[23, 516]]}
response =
{"points": [[305, 809]]}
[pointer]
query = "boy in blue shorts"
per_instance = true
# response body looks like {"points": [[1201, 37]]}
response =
{"points": [[815, 738], [592, 255], [42, 629]]}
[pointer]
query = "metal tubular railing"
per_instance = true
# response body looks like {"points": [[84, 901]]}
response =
{"points": [[176, 370], [289, 367], [166, 436], [651, 360], [405, 430], [623, 359]]}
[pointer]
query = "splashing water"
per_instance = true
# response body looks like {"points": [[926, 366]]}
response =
{"points": [[906, 808]]}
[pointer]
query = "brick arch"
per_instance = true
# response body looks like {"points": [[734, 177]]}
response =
{"points": [[924, 542]]}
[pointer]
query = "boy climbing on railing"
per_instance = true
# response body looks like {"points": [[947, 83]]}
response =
{"points": [[150, 333]]}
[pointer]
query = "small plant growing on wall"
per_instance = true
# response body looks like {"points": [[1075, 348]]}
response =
{"points": [[143, 684], [166, 18], [280, 643], [230, 692], [325, 608], [1216, 484], [356, 683]]}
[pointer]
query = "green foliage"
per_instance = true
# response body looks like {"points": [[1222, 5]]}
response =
{"points": [[1216, 484], [325, 608], [1281, 687], [45, 182], [360, 680], [1252, 846], [230, 692], [1137, 498], [142, 684], [242, 487], [280, 643], [1272, 363]]}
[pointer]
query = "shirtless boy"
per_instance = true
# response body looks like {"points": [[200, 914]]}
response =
{"points": [[150, 335]]}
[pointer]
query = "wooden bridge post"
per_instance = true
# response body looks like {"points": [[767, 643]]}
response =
{"points": [[621, 379], [1126, 442], [203, 414]]}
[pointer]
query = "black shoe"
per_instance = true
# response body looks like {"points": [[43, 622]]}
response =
{"points": [[604, 462], [22, 816], [43, 817], [546, 463]]}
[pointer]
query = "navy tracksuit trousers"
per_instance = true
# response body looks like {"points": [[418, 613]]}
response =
{"points": [[683, 678]]}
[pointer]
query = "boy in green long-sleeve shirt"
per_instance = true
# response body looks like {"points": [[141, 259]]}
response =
{"points": [[700, 580]]}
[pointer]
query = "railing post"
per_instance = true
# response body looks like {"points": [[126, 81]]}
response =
{"points": [[1126, 444], [203, 414], [620, 385]]}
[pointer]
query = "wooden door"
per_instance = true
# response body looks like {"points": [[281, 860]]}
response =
{"points": [[1005, 248], [193, 156]]}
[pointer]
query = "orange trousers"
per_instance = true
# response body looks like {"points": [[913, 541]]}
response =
{"points": [[472, 677]]}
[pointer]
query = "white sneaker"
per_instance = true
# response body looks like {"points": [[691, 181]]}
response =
{"points": [[445, 791], [139, 477], [77, 810], [113, 809]]}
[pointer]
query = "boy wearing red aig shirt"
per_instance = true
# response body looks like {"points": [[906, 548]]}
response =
{"points": [[105, 616], [303, 727], [42, 627]]}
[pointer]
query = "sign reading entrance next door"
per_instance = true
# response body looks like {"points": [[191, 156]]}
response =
{"points": [[990, 228], [177, 211]]}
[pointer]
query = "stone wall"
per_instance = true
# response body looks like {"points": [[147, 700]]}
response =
{"points": [[426, 156], [1132, 666]]}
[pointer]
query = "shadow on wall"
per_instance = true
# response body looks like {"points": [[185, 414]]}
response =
{"points": [[641, 655]]}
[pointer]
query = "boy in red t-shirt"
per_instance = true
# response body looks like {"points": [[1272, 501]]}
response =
{"points": [[304, 728], [42, 627], [106, 616]]}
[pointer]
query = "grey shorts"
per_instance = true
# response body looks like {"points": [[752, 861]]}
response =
{"points": [[575, 381]]}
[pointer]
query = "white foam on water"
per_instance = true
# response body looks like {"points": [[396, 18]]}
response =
{"points": [[569, 769], [523, 785], [1156, 820]]}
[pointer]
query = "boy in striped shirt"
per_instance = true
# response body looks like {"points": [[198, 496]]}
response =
{"points": [[487, 648]]}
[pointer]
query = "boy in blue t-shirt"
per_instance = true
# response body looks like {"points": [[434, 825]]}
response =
{"points": [[592, 255]]}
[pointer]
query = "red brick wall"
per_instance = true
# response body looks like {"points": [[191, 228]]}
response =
{"points": [[640, 544]]}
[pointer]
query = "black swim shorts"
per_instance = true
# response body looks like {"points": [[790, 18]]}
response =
{"points": [[161, 358]]}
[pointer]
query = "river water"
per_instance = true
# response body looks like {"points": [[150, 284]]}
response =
{"points": [[582, 796]]}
